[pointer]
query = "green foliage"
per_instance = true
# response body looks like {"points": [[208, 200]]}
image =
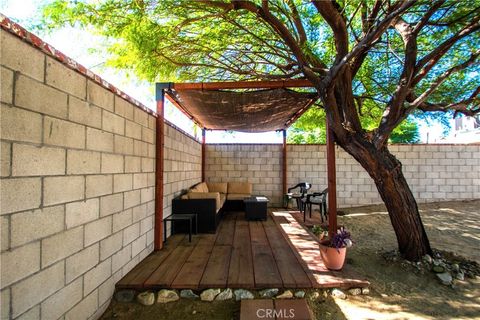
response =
{"points": [[311, 128], [182, 40], [405, 132]]}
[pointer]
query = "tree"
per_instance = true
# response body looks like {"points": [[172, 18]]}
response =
{"points": [[400, 57]]}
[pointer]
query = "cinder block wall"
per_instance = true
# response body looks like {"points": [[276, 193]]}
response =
{"points": [[182, 165], [434, 172], [77, 188], [258, 164]]}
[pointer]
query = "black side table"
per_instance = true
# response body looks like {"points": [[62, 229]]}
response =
{"points": [[256, 208], [180, 217]]}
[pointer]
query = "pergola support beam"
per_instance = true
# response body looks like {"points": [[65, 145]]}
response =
{"points": [[332, 182], [159, 167], [204, 145], [292, 83], [284, 163]]}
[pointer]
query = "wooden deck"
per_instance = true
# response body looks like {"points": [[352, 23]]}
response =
{"points": [[278, 253]]}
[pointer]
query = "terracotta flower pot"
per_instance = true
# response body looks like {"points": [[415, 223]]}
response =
{"points": [[333, 258]]}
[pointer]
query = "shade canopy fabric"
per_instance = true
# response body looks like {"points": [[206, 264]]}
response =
{"points": [[248, 111]]}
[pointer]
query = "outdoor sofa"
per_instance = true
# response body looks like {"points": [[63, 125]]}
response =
{"points": [[209, 201]]}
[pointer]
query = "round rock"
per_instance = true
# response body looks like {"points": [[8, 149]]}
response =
{"points": [[146, 298], [438, 269], [287, 294], [242, 294], [165, 296], [188, 294], [209, 294], [226, 294], [268, 293], [125, 295], [336, 293], [354, 291], [460, 276], [445, 278], [427, 259]]}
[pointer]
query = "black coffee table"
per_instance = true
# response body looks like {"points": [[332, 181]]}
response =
{"points": [[256, 208]]}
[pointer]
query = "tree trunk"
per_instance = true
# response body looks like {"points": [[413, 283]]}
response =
{"points": [[381, 165], [393, 188]]}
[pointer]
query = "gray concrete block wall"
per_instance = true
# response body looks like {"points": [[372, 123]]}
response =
{"points": [[77, 188], [259, 164], [434, 172], [182, 166]]}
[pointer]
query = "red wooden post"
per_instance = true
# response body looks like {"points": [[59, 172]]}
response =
{"points": [[203, 153], [284, 164], [332, 183], [160, 136]]}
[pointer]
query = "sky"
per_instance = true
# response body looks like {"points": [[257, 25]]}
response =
{"points": [[78, 44]]}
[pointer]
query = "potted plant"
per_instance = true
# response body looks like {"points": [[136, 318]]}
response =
{"points": [[321, 231], [333, 250]]}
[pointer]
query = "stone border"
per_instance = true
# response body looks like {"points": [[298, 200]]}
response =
{"points": [[150, 297], [30, 38]]}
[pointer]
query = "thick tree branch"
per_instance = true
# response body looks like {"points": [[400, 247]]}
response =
{"points": [[336, 22], [394, 112], [360, 51]]}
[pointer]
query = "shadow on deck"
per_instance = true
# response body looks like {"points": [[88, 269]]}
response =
{"points": [[277, 253]]}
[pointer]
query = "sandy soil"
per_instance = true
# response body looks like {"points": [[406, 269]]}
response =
{"points": [[398, 290]]}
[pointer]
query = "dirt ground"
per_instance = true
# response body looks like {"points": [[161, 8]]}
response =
{"points": [[397, 291]]}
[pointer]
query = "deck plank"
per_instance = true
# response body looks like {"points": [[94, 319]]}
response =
{"points": [[292, 273], [242, 254], [266, 272], [226, 229], [307, 251], [164, 275], [216, 271], [240, 274], [136, 278], [191, 272], [301, 245]]}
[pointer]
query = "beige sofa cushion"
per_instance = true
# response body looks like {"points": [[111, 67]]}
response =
{"points": [[206, 195], [238, 196], [239, 187], [201, 187], [223, 198], [217, 187]]}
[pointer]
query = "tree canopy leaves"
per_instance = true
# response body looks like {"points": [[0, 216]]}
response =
{"points": [[181, 40]]}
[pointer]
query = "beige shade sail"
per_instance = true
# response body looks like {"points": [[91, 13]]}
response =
{"points": [[247, 111]]}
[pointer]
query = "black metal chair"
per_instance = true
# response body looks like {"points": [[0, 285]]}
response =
{"points": [[316, 198], [299, 197]]}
